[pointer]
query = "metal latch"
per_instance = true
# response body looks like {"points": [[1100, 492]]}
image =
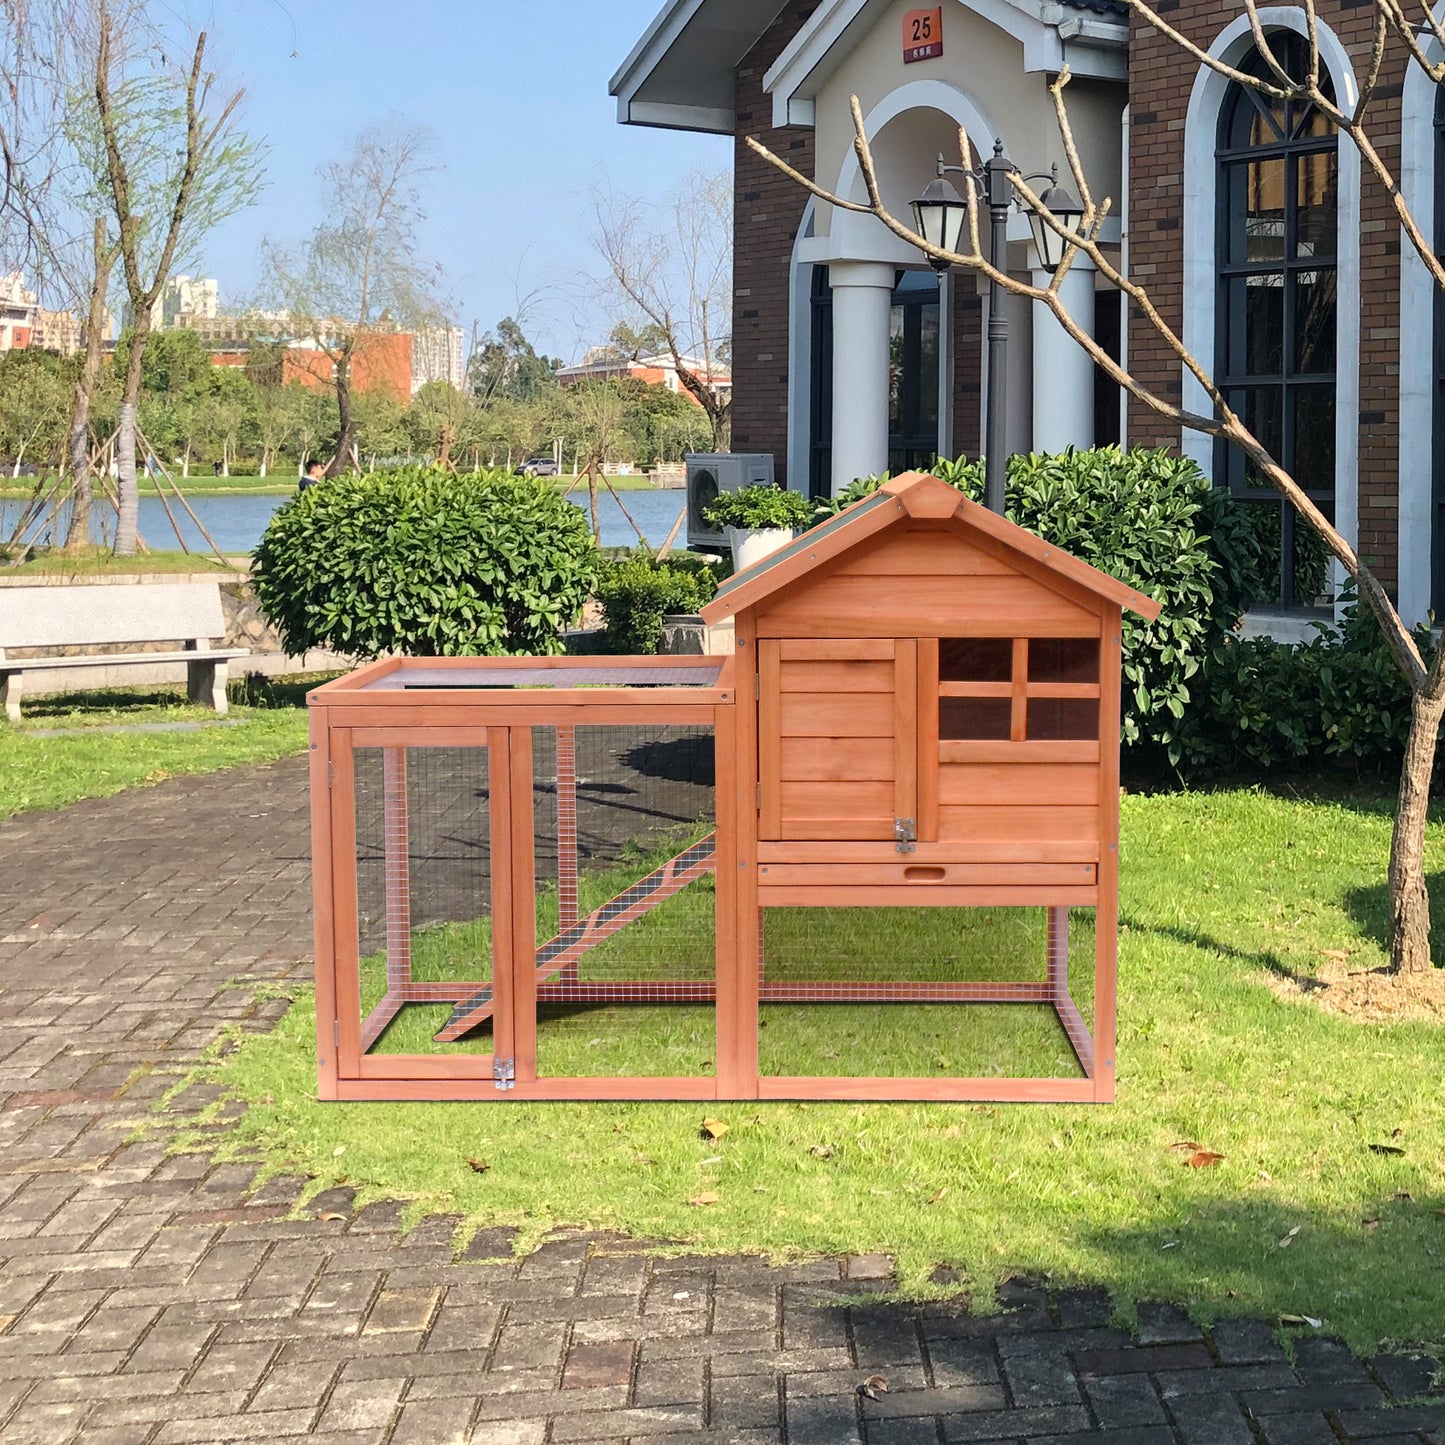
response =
{"points": [[905, 833], [504, 1073]]}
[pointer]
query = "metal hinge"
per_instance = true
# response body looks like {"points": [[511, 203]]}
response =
{"points": [[336, 1033], [504, 1073], [760, 798], [757, 687], [330, 773], [905, 834]]}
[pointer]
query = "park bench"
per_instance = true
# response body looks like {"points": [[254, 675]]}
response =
{"points": [[82, 620]]}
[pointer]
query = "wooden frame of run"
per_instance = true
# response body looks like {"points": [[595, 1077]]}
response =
{"points": [[922, 710]]}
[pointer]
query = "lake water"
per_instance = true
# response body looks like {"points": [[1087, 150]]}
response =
{"points": [[237, 522]]}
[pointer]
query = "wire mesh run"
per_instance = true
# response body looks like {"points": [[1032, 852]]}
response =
{"points": [[626, 916], [931, 992], [424, 894]]}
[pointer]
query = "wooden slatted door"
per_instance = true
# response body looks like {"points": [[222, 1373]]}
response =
{"points": [[838, 737]]}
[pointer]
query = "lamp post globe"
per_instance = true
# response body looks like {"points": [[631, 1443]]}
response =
{"points": [[939, 216], [1068, 212]]}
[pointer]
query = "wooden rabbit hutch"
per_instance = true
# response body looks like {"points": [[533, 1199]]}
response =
{"points": [[871, 855]]}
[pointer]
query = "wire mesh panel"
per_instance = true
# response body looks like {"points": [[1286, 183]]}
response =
{"points": [[626, 943], [926, 992], [424, 896]]}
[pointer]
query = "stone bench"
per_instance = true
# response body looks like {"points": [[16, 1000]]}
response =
{"points": [[63, 627]]}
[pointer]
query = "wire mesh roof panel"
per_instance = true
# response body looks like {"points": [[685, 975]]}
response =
{"points": [[585, 673]]}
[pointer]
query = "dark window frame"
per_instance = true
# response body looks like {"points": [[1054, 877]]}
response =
{"points": [[1287, 384]]}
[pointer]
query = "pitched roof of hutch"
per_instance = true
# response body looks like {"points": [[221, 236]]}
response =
{"points": [[914, 496]]}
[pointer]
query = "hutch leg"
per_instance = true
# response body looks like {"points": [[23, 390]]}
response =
{"points": [[1058, 953], [732, 1077], [322, 892]]}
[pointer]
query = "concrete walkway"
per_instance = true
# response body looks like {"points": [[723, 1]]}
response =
{"points": [[146, 1299]]}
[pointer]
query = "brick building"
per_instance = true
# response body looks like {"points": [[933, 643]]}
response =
{"points": [[1254, 231]]}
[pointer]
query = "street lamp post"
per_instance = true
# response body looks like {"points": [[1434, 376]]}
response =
{"points": [[939, 217]]}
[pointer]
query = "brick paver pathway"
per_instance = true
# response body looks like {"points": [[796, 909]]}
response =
{"points": [[147, 1299]]}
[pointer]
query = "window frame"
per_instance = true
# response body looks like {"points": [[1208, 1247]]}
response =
{"points": [[1287, 383]]}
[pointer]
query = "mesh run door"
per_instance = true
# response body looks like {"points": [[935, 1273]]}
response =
{"points": [[838, 738], [425, 937]]}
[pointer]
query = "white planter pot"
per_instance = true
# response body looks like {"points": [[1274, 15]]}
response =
{"points": [[751, 546]]}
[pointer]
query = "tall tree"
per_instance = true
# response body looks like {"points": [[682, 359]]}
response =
{"points": [[669, 271], [175, 164], [1397, 37], [504, 366], [360, 275]]}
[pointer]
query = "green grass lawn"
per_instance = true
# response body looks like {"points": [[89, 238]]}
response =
{"points": [[98, 562], [1328, 1202], [88, 761]]}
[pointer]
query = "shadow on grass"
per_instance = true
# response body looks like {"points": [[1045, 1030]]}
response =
{"points": [[1206, 943], [1356, 1271], [1369, 906]]}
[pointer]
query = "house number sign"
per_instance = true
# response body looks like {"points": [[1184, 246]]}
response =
{"points": [[922, 35]]}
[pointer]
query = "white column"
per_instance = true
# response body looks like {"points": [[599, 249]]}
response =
{"points": [[862, 306], [1063, 370]]}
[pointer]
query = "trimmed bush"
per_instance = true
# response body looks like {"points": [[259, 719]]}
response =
{"points": [[758, 507], [425, 563], [1338, 699], [1153, 521], [637, 592]]}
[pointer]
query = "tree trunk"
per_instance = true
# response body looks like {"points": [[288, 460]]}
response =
{"points": [[1409, 896], [79, 534], [127, 525], [346, 441]]}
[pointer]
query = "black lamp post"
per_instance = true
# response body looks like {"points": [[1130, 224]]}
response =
{"points": [[939, 216]]}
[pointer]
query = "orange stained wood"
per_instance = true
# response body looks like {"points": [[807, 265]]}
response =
{"points": [[1024, 851], [972, 785], [1003, 606], [1026, 822], [925, 875]]}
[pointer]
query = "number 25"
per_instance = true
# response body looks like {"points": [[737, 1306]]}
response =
{"points": [[923, 29]]}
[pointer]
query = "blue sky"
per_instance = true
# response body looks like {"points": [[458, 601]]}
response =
{"points": [[516, 98]]}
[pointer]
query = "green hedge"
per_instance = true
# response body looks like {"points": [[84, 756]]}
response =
{"points": [[1152, 520], [637, 592], [1336, 703], [426, 563]]}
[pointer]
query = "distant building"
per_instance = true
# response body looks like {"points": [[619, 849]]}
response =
{"points": [[382, 364], [601, 364], [438, 354], [190, 296], [57, 331], [18, 310]]}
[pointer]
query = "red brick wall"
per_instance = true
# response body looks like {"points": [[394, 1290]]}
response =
{"points": [[381, 364], [1160, 81], [768, 211]]}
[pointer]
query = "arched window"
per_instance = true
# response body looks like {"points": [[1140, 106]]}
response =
{"points": [[1276, 257]]}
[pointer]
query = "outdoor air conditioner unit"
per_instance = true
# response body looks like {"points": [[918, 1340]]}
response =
{"points": [[708, 475]]}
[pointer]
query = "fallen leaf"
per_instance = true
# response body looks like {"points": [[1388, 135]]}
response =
{"points": [[1204, 1159], [337, 1152], [332, 1217], [873, 1387], [1289, 1239], [1185, 1146], [682, 1294], [821, 1151], [1266, 1176], [1309, 1320], [716, 1159], [1385, 1149], [939, 1195], [1170, 1244], [713, 1128], [478, 1166], [701, 1201], [1368, 1224], [1338, 954]]}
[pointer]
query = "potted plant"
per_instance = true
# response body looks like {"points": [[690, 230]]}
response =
{"points": [[759, 520]]}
